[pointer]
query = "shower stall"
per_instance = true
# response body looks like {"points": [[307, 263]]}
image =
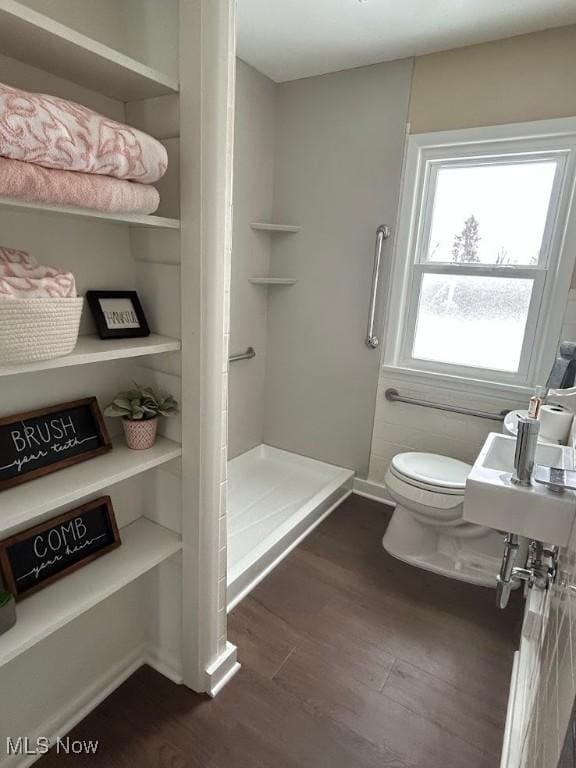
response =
{"points": [[275, 498], [313, 180]]}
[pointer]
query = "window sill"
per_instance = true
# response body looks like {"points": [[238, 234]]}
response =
{"points": [[512, 393]]}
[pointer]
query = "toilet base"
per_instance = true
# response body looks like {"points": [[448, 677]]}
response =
{"points": [[476, 561]]}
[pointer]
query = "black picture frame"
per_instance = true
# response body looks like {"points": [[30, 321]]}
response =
{"points": [[45, 444], [105, 331], [16, 555]]}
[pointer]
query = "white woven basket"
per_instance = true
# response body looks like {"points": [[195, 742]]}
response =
{"points": [[38, 329]]}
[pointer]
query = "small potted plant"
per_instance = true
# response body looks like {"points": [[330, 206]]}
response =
{"points": [[139, 409], [7, 611]]}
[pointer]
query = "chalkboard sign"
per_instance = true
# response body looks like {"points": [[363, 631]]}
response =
{"points": [[40, 442], [35, 558]]}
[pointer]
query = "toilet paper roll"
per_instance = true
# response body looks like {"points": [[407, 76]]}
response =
{"points": [[555, 422]]}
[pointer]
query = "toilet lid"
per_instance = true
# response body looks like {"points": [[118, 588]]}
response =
{"points": [[432, 469]]}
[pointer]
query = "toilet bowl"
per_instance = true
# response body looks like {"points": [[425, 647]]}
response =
{"points": [[427, 528]]}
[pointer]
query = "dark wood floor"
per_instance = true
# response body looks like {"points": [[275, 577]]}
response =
{"points": [[350, 659]]}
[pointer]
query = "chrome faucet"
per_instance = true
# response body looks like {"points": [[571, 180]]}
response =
{"points": [[526, 442]]}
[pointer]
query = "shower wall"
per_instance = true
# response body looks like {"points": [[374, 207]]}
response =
{"points": [[324, 153], [253, 199], [338, 158]]}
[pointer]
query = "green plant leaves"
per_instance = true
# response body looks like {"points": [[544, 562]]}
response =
{"points": [[141, 403]]}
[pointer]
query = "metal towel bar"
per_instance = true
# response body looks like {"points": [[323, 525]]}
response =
{"points": [[394, 396], [248, 355], [382, 233]]}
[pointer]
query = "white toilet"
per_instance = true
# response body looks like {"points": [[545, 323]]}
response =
{"points": [[427, 529]]}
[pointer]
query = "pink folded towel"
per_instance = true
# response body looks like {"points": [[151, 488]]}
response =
{"points": [[60, 134], [34, 184], [21, 277]]}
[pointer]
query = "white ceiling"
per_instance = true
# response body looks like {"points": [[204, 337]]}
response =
{"points": [[290, 39]]}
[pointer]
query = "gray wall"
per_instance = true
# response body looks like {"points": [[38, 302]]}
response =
{"points": [[338, 158], [253, 196]]}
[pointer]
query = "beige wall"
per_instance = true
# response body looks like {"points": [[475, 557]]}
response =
{"points": [[529, 77]]}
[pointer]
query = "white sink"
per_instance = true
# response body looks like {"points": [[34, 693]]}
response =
{"points": [[493, 500]]}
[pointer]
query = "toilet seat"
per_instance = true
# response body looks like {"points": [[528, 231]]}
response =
{"points": [[431, 472]]}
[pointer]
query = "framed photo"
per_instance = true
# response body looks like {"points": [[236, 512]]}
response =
{"points": [[117, 314]]}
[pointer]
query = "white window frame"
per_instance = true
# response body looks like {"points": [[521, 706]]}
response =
{"points": [[425, 154]]}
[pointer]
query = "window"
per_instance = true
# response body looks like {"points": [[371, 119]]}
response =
{"points": [[483, 262]]}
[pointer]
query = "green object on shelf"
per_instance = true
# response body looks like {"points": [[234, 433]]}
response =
{"points": [[141, 404]]}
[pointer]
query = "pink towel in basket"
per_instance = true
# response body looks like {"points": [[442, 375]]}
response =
{"points": [[34, 184], [21, 277], [60, 134]]}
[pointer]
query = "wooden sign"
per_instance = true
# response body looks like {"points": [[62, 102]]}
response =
{"points": [[35, 558], [40, 442]]}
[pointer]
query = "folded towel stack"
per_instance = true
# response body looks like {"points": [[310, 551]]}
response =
{"points": [[55, 151], [22, 277]]}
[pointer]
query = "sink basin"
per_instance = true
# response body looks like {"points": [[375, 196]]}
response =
{"points": [[493, 500], [501, 449]]}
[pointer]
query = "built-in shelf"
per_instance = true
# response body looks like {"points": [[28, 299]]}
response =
{"points": [[39, 41], [263, 226], [133, 219], [144, 546], [272, 280], [91, 349], [27, 502]]}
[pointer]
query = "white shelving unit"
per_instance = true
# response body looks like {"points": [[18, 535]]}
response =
{"points": [[132, 219], [25, 503], [91, 349], [179, 612], [100, 256], [263, 226], [272, 280], [38, 40], [144, 546]]}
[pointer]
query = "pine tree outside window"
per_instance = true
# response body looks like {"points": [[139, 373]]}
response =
{"points": [[482, 263]]}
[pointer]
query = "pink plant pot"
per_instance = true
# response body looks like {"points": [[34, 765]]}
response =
{"points": [[140, 435]]}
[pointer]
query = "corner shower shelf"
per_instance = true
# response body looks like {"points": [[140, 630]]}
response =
{"points": [[42, 42], [29, 501], [91, 349], [133, 219], [144, 546], [272, 280], [268, 227]]}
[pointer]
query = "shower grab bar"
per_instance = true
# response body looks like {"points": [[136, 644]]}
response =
{"points": [[394, 397], [248, 355], [382, 233]]}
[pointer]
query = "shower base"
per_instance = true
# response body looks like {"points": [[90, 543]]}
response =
{"points": [[275, 498]]}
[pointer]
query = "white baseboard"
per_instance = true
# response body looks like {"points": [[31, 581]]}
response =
{"points": [[62, 722], [371, 490], [166, 665], [222, 670], [78, 708]]}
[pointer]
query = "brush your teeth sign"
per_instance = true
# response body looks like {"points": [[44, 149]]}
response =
{"points": [[39, 442]]}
